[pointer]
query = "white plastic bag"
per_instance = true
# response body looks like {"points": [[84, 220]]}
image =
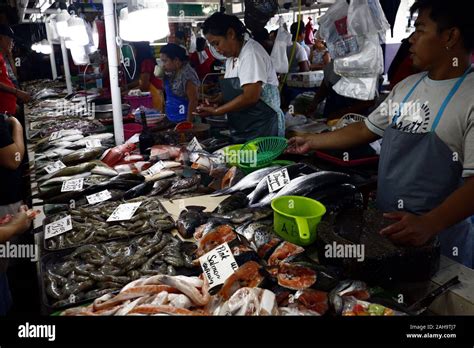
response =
{"points": [[366, 17], [366, 63], [362, 88], [333, 28], [278, 55]]}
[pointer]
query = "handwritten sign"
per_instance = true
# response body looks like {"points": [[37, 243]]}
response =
{"points": [[277, 180], [218, 265], [58, 227], [124, 212]]}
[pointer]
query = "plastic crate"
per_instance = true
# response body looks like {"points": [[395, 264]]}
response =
{"points": [[307, 79]]}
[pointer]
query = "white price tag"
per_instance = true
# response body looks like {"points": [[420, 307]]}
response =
{"points": [[72, 185], [58, 227], [124, 212], [54, 167], [218, 265], [55, 135], [99, 197], [157, 167], [277, 180], [194, 145], [93, 143]]}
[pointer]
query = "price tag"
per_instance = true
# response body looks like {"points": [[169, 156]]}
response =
{"points": [[194, 145], [218, 265], [99, 197], [157, 167], [93, 143], [72, 185], [55, 135], [58, 227], [54, 167], [124, 212], [277, 180]]}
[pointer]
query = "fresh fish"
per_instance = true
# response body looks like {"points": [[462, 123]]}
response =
{"points": [[248, 275], [295, 277], [160, 186], [71, 138], [190, 219], [61, 179], [220, 235], [160, 175], [313, 300], [50, 209], [209, 226], [82, 155], [236, 201], [294, 170], [139, 190], [101, 136], [346, 288], [184, 185], [241, 216], [61, 151], [232, 177], [284, 250], [104, 170], [304, 185], [69, 171], [257, 233], [249, 181]]}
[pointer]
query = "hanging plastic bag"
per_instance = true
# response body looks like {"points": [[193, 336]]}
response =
{"points": [[366, 63], [361, 88], [278, 54], [308, 35], [366, 17], [334, 30], [192, 42]]}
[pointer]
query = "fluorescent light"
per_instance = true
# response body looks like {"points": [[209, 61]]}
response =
{"points": [[158, 43], [149, 14]]}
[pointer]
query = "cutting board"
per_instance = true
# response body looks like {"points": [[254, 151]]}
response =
{"points": [[174, 207]]}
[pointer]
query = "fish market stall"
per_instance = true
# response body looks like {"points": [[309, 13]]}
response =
{"points": [[130, 229]]}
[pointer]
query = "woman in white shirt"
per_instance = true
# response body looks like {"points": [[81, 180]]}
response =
{"points": [[250, 95]]}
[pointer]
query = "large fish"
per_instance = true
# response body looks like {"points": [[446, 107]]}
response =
{"points": [[236, 201], [82, 155], [304, 185], [249, 181], [294, 170], [190, 219]]}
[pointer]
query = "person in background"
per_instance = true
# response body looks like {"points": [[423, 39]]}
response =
{"points": [[250, 95], [181, 84], [272, 35], [202, 60], [319, 56], [9, 92], [263, 38], [402, 65], [180, 40], [336, 105], [426, 167], [300, 62]]}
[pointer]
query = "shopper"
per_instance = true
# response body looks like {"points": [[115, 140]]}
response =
{"points": [[426, 169], [250, 93], [181, 84], [297, 54], [9, 93], [202, 60]]}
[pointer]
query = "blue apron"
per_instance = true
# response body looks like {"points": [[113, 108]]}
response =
{"points": [[418, 170], [176, 107]]}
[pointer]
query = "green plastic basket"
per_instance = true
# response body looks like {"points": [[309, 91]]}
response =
{"points": [[268, 149], [248, 170]]}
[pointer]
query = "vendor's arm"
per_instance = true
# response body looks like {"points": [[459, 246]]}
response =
{"points": [[417, 230], [19, 224], [144, 82], [12, 154], [351, 136], [193, 99]]}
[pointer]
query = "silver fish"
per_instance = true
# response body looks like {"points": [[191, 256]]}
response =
{"points": [[247, 182], [303, 185], [60, 179], [104, 170]]}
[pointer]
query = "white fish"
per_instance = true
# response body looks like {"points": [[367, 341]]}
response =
{"points": [[104, 170], [160, 175], [60, 179]]}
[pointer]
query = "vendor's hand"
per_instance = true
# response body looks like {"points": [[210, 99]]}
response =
{"points": [[298, 146], [23, 96], [21, 222], [204, 110], [410, 229]]}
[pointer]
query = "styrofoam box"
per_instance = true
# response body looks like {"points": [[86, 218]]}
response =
{"points": [[307, 79]]}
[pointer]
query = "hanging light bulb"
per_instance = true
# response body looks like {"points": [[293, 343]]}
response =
{"points": [[150, 14], [77, 30], [45, 47], [62, 23]]}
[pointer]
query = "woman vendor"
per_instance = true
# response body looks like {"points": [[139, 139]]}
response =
{"points": [[181, 84], [250, 95]]}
